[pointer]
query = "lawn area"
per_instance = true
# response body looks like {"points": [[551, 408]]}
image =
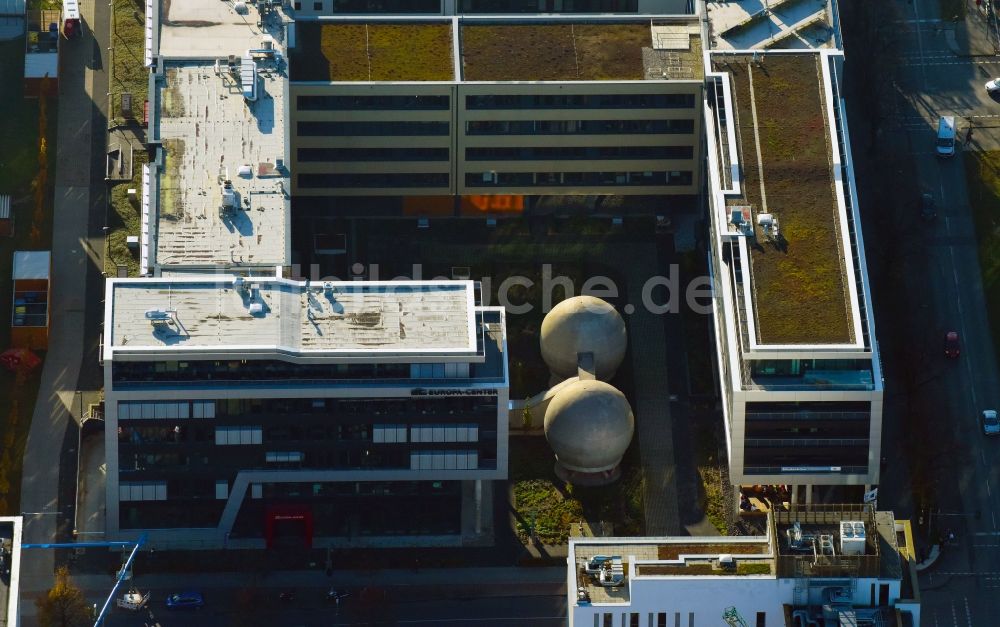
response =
{"points": [[124, 220], [373, 52], [551, 52], [20, 175], [982, 172], [799, 290], [551, 506], [128, 71]]}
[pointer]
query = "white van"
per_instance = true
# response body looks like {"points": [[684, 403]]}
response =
{"points": [[946, 136]]}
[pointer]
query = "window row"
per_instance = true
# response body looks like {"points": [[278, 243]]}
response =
{"points": [[551, 179], [284, 457], [439, 371], [548, 6], [373, 6], [532, 153], [142, 491], [444, 460], [581, 101], [145, 410], [373, 180], [238, 435], [582, 127], [371, 129], [372, 103], [312, 155], [445, 433]]}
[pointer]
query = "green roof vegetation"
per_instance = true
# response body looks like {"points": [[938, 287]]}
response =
{"points": [[373, 52], [799, 291], [554, 52], [673, 551], [702, 568], [128, 72]]}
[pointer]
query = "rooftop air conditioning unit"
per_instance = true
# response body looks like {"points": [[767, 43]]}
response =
{"points": [[726, 560], [490, 177], [852, 537]]}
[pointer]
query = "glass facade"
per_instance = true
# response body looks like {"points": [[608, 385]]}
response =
{"points": [[582, 127], [551, 179], [370, 129], [375, 180], [561, 153], [581, 101], [372, 154], [549, 6], [373, 103]]}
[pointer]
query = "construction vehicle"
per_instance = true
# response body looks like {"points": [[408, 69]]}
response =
{"points": [[733, 618]]}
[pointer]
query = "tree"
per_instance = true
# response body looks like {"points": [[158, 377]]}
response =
{"points": [[63, 605]]}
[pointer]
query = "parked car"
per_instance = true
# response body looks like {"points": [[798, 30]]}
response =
{"points": [[993, 86], [991, 424], [951, 344], [185, 601], [927, 209]]}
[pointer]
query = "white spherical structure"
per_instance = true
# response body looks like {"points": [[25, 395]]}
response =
{"points": [[583, 324], [589, 425]]}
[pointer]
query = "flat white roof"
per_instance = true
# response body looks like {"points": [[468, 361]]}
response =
{"points": [[210, 133], [191, 315], [205, 29]]}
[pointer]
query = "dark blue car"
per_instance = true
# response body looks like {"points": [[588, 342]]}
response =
{"points": [[185, 601]]}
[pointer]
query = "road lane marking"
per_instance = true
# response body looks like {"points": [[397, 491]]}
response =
{"points": [[988, 488], [920, 45], [993, 515], [438, 621], [968, 614], [988, 533], [954, 614], [925, 63]]}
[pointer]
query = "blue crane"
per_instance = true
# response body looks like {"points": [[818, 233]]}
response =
{"points": [[122, 574]]}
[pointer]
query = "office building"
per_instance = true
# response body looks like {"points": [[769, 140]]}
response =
{"points": [[799, 367], [475, 115], [240, 411], [822, 565]]}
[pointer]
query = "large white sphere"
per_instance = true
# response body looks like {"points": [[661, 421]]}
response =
{"points": [[589, 425], [583, 324]]}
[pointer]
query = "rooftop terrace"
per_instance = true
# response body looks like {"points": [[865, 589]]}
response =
{"points": [[210, 133], [684, 557], [800, 293], [270, 315], [373, 52]]}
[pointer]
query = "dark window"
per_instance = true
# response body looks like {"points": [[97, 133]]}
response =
{"points": [[387, 6], [373, 180], [761, 619], [569, 127], [633, 619], [372, 154], [609, 620], [348, 129], [661, 619], [372, 103], [517, 179], [576, 101], [549, 6], [562, 153], [679, 178], [298, 6], [317, 6]]}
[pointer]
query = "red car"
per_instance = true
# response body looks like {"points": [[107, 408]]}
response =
{"points": [[951, 348]]}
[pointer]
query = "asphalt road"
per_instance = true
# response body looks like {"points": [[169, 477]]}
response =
{"points": [[936, 78], [309, 608]]}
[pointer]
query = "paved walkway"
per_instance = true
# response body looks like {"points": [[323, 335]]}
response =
{"points": [[55, 405], [654, 431]]}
